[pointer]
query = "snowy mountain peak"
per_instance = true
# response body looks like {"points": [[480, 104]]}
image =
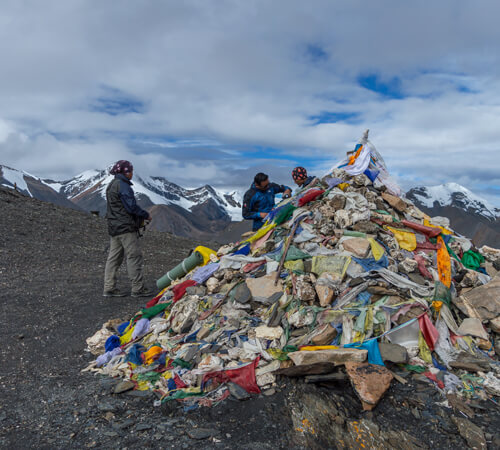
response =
{"points": [[452, 194], [10, 177], [153, 190]]}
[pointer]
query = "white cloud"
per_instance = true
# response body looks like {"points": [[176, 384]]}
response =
{"points": [[245, 74]]}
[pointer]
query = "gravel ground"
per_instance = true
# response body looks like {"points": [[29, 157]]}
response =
{"points": [[51, 274]]}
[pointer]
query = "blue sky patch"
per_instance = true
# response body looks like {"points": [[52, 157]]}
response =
{"points": [[332, 117], [115, 102], [315, 53], [390, 88]]}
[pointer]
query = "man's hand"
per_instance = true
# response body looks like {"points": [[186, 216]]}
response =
{"points": [[287, 193], [262, 215]]}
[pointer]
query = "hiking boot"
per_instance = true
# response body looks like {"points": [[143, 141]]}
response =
{"points": [[144, 292], [114, 293]]}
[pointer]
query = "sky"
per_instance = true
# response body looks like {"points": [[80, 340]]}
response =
{"points": [[215, 91]]}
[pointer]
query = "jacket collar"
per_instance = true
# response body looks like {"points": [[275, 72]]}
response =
{"points": [[122, 177], [257, 189]]}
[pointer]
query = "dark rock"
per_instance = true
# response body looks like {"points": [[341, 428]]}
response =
{"points": [[416, 278], [200, 433], [110, 433], [459, 405], [106, 407], [276, 317], [143, 427], [470, 432], [191, 353], [123, 425], [338, 376], [213, 348], [470, 366], [307, 369], [366, 226], [327, 335], [338, 202], [196, 290], [238, 392], [242, 294], [393, 352], [123, 386], [140, 394], [274, 298]]}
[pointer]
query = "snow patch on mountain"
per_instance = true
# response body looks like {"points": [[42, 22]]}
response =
{"points": [[15, 178], [159, 191], [453, 194]]}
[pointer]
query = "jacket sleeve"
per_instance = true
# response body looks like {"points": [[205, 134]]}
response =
{"points": [[129, 203], [246, 210], [277, 188]]}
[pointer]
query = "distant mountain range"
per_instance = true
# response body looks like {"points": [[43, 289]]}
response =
{"points": [[469, 214], [208, 213], [197, 212]]}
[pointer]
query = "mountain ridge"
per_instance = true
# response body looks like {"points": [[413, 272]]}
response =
{"points": [[198, 212], [205, 212], [468, 213]]}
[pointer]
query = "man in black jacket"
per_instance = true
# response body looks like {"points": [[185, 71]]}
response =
{"points": [[124, 218]]}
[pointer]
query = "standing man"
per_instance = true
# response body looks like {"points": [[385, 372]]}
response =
{"points": [[259, 199], [124, 218], [299, 175]]}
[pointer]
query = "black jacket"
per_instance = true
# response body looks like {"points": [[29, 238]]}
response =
{"points": [[123, 213]]}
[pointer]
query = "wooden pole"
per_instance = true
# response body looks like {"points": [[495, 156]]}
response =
{"points": [[285, 251]]}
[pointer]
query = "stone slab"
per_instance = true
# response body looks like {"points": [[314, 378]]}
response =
{"points": [[336, 356]]}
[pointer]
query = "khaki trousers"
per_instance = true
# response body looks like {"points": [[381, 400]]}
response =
{"points": [[127, 245]]}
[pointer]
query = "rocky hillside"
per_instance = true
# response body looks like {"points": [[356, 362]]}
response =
{"points": [[469, 214]]}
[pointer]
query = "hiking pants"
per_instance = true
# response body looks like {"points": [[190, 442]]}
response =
{"points": [[127, 245]]}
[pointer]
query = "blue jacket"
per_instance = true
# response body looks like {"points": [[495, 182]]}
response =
{"points": [[256, 201], [123, 213]]}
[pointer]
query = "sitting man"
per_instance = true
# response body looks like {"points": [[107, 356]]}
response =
{"points": [[259, 199], [299, 175]]}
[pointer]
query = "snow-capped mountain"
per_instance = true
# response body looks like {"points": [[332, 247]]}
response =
{"points": [[455, 195], [469, 214], [88, 190], [185, 212], [32, 186]]}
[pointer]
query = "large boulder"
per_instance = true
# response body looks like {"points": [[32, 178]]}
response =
{"points": [[370, 381], [263, 288], [359, 247], [482, 302]]}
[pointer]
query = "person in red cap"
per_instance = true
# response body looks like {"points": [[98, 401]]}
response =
{"points": [[299, 175], [124, 217]]}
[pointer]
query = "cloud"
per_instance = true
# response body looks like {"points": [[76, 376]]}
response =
{"points": [[211, 92]]}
